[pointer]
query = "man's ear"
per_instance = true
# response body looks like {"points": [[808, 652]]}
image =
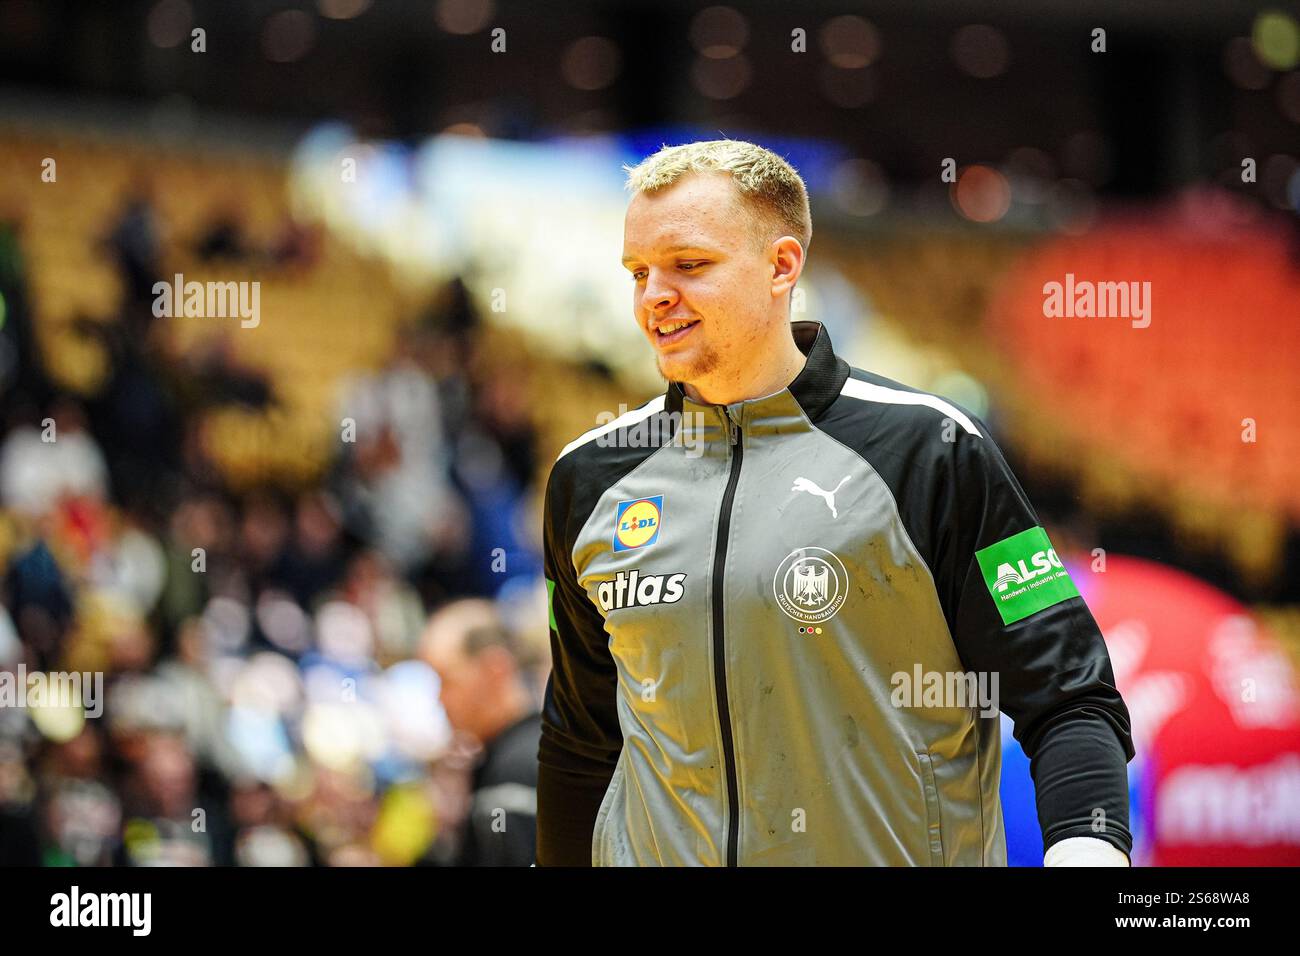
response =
{"points": [[787, 264]]}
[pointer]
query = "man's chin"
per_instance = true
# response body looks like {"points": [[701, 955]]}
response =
{"points": [[676, 371], [686, 368]]}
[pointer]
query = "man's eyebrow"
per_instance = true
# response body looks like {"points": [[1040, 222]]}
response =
{"points": [[670, 252]]}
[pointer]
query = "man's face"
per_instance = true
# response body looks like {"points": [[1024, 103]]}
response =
{"points": [[693, 255], [462, 690]]}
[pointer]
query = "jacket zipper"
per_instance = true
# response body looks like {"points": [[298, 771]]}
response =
{"points": [[735, 440]]}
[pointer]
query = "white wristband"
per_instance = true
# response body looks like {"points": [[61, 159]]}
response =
{"points": [[1084, 851]]}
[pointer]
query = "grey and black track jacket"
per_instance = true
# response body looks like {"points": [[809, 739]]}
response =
{"points": [[776, 626]]}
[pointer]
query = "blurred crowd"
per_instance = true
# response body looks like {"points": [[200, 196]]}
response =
{"points": [[343, 672]]}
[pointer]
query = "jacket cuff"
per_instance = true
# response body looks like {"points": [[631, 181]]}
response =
{"points": [[1084, 851]]}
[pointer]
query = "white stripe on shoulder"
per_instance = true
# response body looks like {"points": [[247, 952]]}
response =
{"points": [[627, 418], [869, 392]]}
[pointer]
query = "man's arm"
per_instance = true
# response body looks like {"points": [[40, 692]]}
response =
{"points": [[581, 738], [1054, 674]]}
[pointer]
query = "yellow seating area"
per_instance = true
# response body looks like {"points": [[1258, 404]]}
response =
{"points": [[316, 324]]}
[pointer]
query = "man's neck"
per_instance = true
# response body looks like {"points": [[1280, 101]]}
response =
{"points": [[514, 708], [771, 378]]}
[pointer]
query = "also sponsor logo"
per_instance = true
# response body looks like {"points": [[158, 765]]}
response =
{"points": [[1024, 575], [1043, 562]]}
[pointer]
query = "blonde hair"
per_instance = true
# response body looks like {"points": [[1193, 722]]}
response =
{"points": [[771, 187]]}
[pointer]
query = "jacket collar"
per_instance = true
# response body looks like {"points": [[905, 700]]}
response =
{"points": [[812, 391]]}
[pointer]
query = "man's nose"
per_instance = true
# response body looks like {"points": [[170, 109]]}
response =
{"points": [[658, 296]]}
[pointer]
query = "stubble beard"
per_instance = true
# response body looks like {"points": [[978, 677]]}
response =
{"points": [[704, 363]]}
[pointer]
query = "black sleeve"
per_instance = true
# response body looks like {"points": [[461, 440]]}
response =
{"points": [[581, 739], [1014, 612], [1080, 781]]}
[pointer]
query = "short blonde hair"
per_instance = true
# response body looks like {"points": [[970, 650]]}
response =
{"points": [[770, 186]]}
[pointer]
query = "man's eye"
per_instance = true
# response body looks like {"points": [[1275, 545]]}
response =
{"points": [[638, 275], [691, 265]]}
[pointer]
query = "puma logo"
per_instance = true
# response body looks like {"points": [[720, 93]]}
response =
{"points": [[803, 484]]}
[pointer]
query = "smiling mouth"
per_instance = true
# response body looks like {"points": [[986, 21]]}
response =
{"points": [[672, 332]]}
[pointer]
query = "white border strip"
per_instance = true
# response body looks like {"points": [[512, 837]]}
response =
{"points": [[627, 418], [894, 396]]}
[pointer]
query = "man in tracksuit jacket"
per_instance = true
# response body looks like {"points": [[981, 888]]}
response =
{"points": [[784, 592]]}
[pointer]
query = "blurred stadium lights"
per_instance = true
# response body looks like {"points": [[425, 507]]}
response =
{"points": [[169, 23], [591, 63], [721, 71], [1276, 39], [288, 35], [463, 16], [850, 42], [719, 32], [584, 69], [342, 9], [721, 79], [981, 51], [981, 194]]}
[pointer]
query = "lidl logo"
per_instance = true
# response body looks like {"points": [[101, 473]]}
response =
{"points": [[637, 523], [1024, 575]]}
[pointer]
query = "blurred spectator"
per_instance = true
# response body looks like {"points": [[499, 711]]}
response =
{"points": [[297, 246], [135, 242], [83, 816], [215, 374], [136, 412], [39, 597], [265, 835], [395, 482], [20, 843], [225, 238], [167, 824], [39, 467], [22, 369], [316, 557], [258, 636], [487, 699], [393, 607]]}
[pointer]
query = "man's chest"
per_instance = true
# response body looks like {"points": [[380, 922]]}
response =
{"points": [[780, 552]]}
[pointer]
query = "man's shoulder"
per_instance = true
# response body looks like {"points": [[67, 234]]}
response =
{"points": [[911, 437], [611, 433], [904, 408], [597, 458]]}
